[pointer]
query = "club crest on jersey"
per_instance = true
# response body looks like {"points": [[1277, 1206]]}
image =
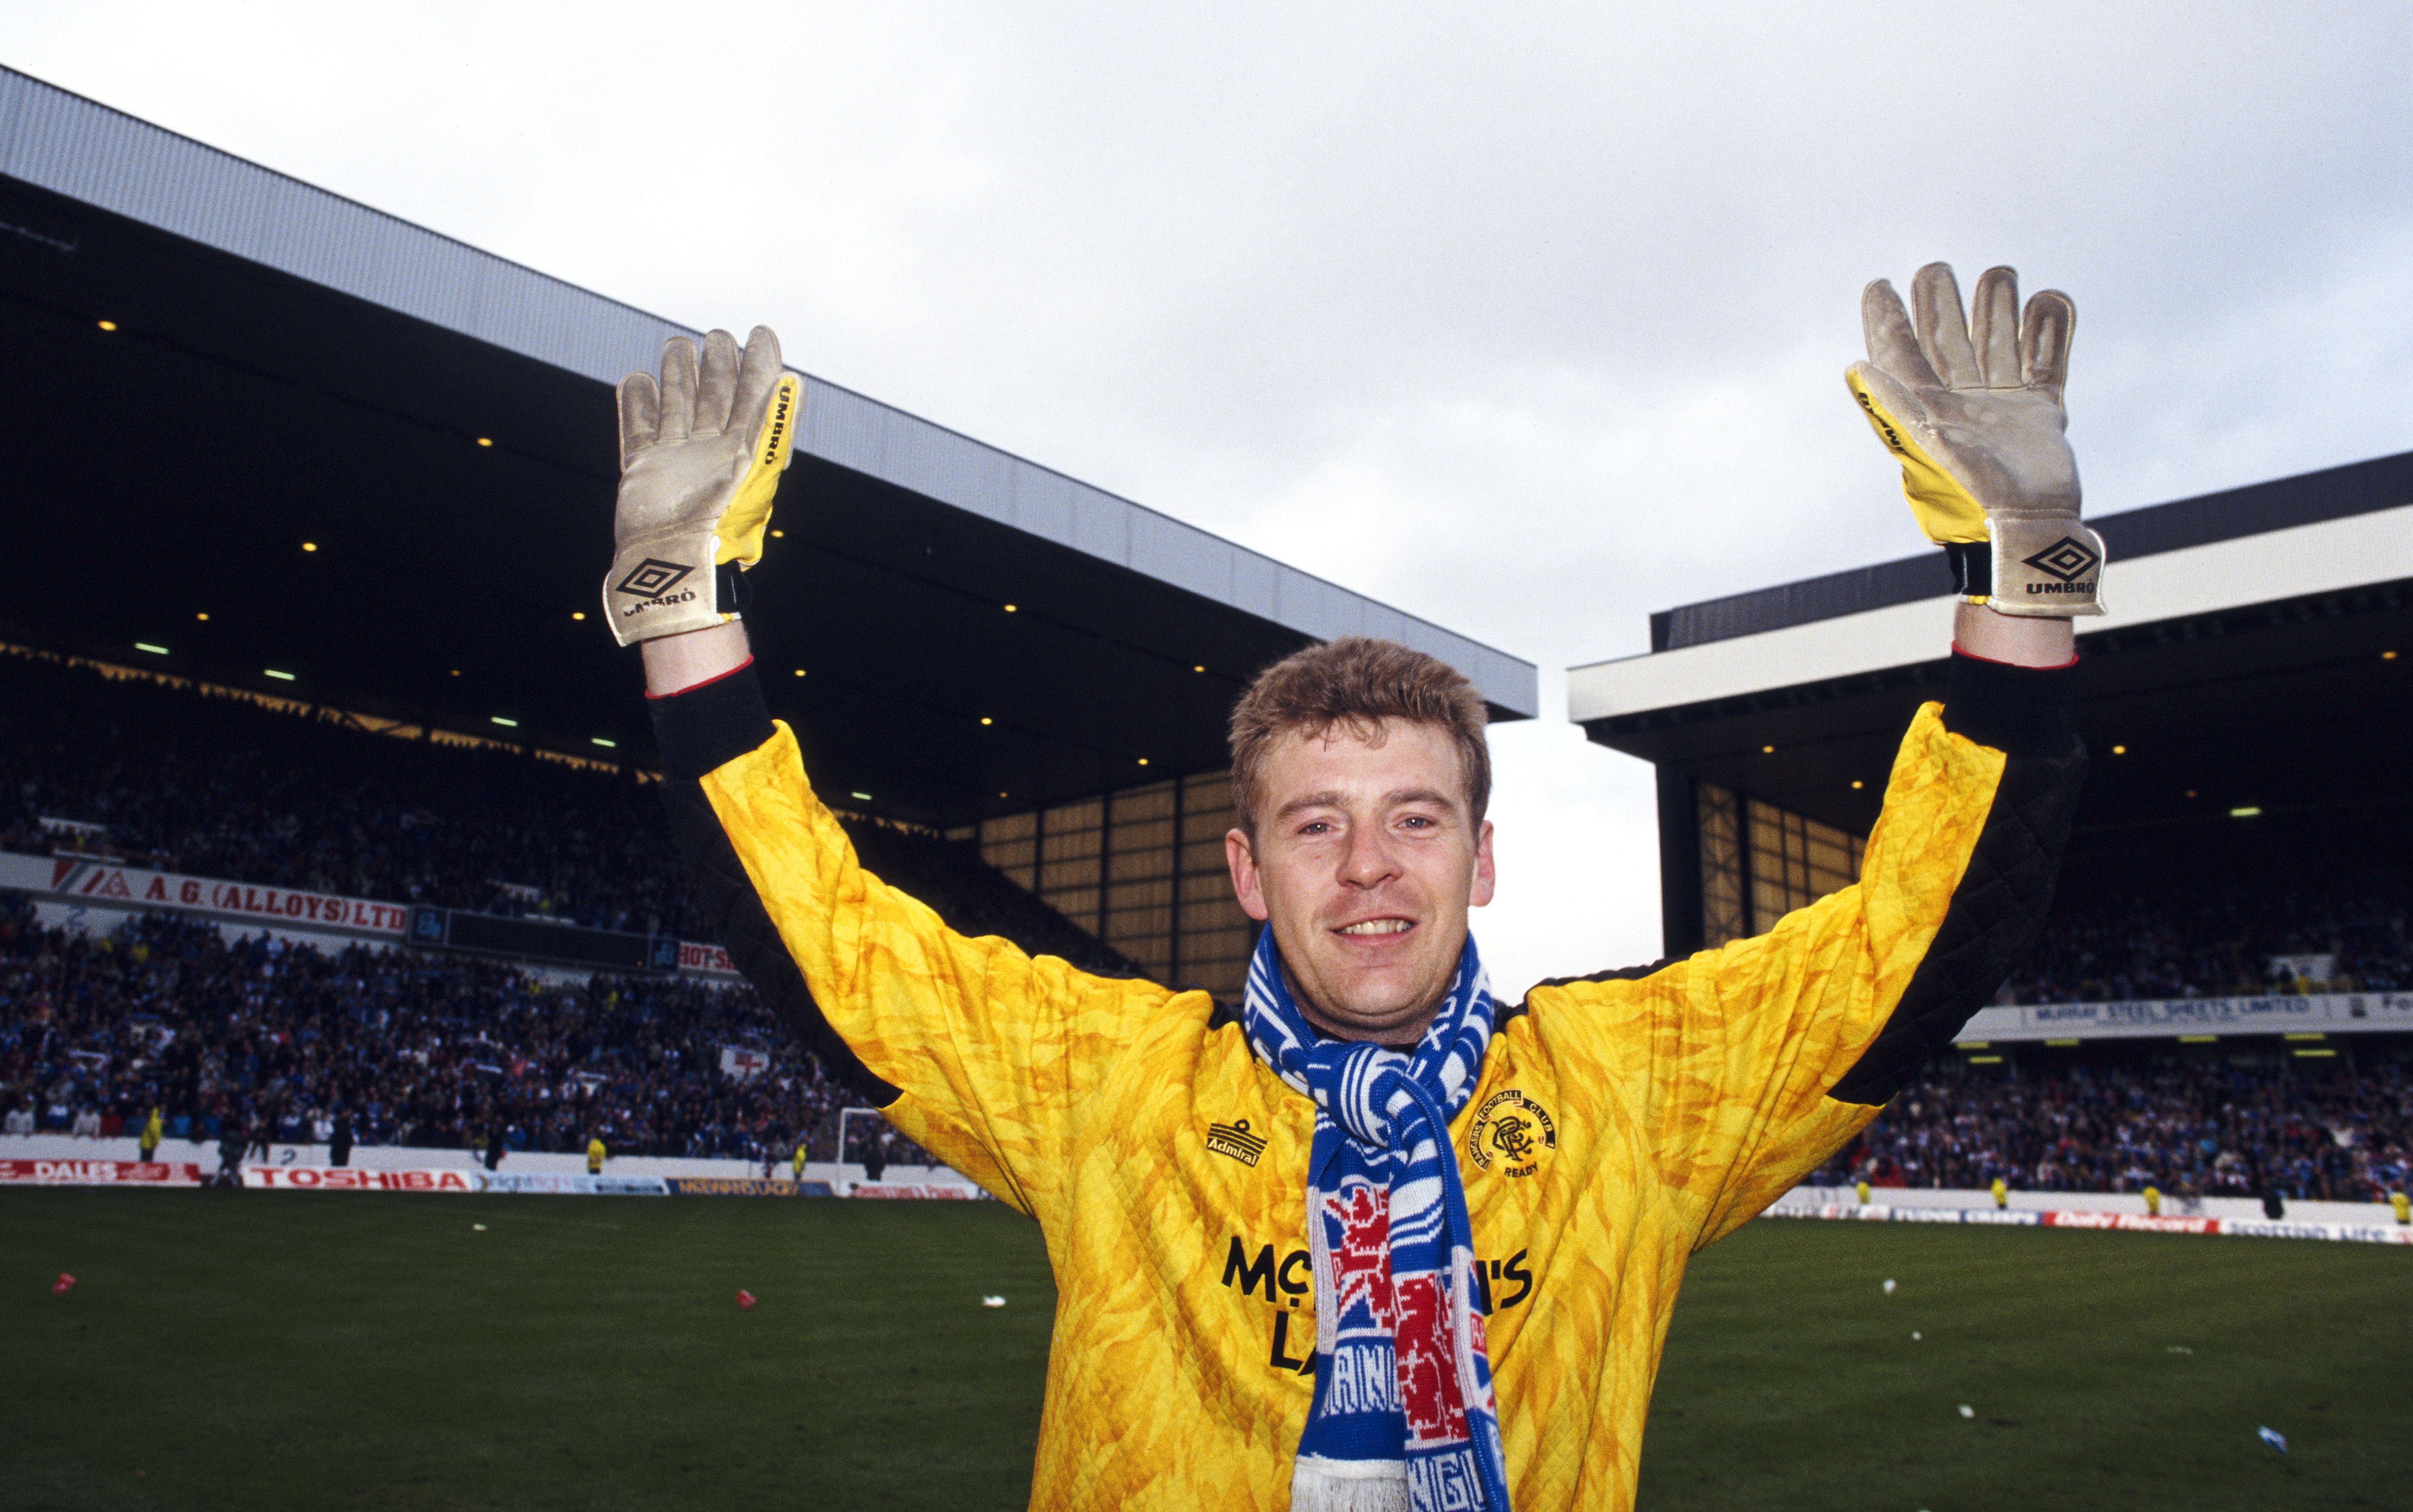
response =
{"points": [[1233, 1139], [1513, 1130]]}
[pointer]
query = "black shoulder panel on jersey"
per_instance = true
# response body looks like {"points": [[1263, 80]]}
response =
{"points": [[698, 733], [1614, 974], [736, 917], [2004, 893]]}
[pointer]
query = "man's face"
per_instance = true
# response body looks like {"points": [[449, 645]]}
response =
{"points": [[1365, 862]]}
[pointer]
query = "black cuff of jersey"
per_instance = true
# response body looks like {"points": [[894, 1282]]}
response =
{"points": [[711, 725], [2019, 711]]}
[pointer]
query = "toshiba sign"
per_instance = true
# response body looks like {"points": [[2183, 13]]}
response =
{"points": [[347, 1179]]}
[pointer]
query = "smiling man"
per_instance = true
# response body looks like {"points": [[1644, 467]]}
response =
{"points": [[1370, 1239]]}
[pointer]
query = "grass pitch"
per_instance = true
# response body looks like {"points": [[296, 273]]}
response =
{"points": [[282, 1350]]}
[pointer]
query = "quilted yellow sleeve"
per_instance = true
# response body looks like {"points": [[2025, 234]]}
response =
{"points": [[1736, 1072], [991, 1051], [1771, 1026]]}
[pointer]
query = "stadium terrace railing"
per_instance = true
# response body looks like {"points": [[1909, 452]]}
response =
{"points": [[2329, 1013], [64, 887]]}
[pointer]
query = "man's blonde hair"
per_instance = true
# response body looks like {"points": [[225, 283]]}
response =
{"points": [[1352, 684]]}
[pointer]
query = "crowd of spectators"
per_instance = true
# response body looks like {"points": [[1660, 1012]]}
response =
{"points": [[220, 785], [281, 1043], [2219, 934], [2198, 1127]]}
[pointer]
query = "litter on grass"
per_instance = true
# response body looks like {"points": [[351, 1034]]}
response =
{"points": [[1967, 1411], [745, 1298], [2178, 1349], [1913, 1336], [480, 1227], [1889, 1285], [2274, 1438], [65, 1284], [992, 1301]]}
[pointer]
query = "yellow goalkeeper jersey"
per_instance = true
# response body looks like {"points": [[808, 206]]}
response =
{"points": [[1620, 1122]]}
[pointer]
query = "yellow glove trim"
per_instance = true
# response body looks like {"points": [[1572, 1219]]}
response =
{"points": [[739, 531], [1945, 510]]}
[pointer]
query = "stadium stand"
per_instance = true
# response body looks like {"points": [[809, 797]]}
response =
{"points": [[2286, 927], [278, 1040], [2200, 1126], [230, 785]]}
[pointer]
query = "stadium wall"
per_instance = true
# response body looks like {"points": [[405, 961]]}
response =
{"points": [[2108, 1202], [380, 1157]]}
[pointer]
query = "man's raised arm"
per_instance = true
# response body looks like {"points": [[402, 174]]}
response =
{"points": [[974, 1049], [1766, 1055]]}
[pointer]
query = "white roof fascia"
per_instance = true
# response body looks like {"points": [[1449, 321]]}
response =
{"points": [[2303, 559], [86, 151]]}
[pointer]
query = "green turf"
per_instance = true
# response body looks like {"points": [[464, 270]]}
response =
{"points": [[260, 1350], [1791, 1380], [282, 1350]]}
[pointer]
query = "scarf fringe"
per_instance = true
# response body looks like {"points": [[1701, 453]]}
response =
{"points": [[1321, 1485]]}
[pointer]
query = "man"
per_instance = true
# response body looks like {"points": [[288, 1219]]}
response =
{"points": [[231, 1145], [595, 1154], [1372, 1240], [148, 1142]]}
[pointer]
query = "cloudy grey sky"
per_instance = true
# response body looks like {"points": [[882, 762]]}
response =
{"points": [[1529, 320]]}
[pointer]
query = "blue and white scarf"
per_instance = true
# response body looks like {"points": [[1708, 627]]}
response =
{"points": [[1403, 1416]]}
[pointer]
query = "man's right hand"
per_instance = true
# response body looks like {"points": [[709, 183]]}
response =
{"points": [[701, 454]]}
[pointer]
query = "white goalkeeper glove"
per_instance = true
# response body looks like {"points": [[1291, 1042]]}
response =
{"points": [[1975, 419], [700, 455]]}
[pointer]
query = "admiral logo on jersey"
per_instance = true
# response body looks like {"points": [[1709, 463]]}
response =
{"points": [[1233, 1139]]}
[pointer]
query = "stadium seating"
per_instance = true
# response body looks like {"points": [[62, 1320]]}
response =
{"points": [[225, 786], [2219, 933], [2202, 1126], [274, 1040], [432, 1049]]}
